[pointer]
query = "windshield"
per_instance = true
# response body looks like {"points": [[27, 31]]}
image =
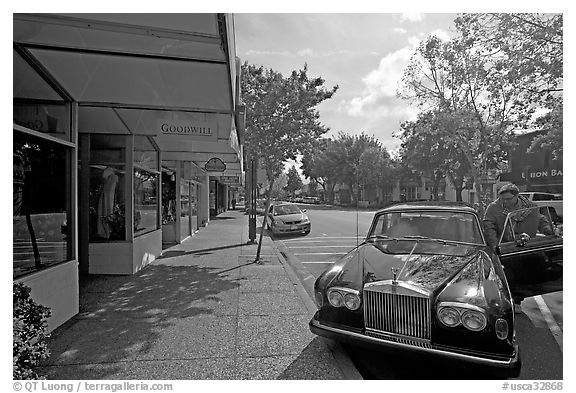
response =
{"points": [[443, 225], [283, 210]]}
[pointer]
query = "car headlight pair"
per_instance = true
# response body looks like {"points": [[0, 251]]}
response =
{"points": [[454, 314], [344, 297]]}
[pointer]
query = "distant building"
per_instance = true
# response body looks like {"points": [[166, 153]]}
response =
{"points": [[537, 171]]}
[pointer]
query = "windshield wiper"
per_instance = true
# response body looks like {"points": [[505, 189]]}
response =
{"points": [[443, 241], [380, 237]]}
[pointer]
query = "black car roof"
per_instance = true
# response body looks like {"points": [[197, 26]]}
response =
{"points": [[427, 205]]}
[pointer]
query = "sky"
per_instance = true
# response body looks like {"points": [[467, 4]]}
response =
{"points": [[363, 53]]}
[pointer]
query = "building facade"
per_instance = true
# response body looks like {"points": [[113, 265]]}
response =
{"points": [[116, 119], [535, 171]]}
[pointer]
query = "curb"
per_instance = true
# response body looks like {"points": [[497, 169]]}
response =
{"points": [[343, 361]]}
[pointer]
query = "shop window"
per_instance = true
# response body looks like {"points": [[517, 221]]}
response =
{"points": [[41, 204], [52, 119], [168, 196], [107, 196], [146, 180], [184, 209]]}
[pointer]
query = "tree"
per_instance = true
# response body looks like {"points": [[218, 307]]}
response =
{"points": [[346, 155], [374, 169], [434, 157], [281, 117], [319, 164], [528, 48], [312, 188], [475, 107], [294, 182]]}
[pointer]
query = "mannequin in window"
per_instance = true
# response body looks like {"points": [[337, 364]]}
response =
{"points": [[106, 201]]}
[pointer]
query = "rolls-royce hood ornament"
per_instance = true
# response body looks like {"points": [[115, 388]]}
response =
{"points": [[395, 271]]}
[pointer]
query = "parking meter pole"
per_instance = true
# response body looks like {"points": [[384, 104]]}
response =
{"points": [[252, 205]]}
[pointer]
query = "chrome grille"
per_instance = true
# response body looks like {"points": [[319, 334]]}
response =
{"points": [[382, 336], [397, 314], [292, 222]]}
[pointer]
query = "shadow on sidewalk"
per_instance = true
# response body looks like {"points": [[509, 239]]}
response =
{"points": [[314, 362], [123, 317], [205, 251]]}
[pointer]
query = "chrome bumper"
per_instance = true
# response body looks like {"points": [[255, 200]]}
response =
{"points": [[512, 364]]}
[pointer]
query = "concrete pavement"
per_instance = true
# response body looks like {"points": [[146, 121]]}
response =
{"points": [[203, 310]]}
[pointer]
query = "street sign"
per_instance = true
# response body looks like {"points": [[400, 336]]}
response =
{"points": [[215, 165]]}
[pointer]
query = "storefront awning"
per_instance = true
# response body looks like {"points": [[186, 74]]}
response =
{"points": [[132, 73]]}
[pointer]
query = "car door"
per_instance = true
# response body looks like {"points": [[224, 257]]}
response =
{"points": [[531, 255]]}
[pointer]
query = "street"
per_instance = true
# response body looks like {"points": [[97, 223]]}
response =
{"points": [[336, 231]]}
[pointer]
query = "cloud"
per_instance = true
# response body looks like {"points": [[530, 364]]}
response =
{"points": [[305, 52], [411, 17], [253, 52], [378, 98], [442, 34], [399, 30], [379, 94]]}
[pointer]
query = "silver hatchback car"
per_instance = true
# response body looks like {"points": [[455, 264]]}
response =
{"points": [[284, 218]]}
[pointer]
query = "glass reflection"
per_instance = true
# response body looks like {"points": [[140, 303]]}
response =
{"points": [[41, 204]]}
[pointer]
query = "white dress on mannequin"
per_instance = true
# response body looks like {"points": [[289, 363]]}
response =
{"points": [[106, 202]]}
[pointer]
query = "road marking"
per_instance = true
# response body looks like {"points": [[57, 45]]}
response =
{"points": [[322, 253], [293, 247], [549, 318], [318, 262], [321, 239]]}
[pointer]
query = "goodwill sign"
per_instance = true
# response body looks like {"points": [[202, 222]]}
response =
{"points": [[188, 128]]}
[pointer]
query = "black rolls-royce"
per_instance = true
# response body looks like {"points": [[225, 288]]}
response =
{"points": [[424, 280]]}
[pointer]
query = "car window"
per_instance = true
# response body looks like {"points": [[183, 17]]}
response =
{"points": [[525, 224], [283, 210], [543, 197], [444, 225]]}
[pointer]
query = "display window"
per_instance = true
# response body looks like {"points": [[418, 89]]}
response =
{"points": [[146, 182], [41, 232], [107, 196], [184, 209]]}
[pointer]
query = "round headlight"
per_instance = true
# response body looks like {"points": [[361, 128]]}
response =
{"points": [[501, 329], [449, 316], [352, 301], [335, 298], [474, 320]]}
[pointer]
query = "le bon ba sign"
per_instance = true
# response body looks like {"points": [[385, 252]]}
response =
{"points": [[543, 173]]}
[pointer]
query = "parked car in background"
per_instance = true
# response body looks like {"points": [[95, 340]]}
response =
{"points": [[546, 199], [284, 218], [311, 200], [425, 281]]}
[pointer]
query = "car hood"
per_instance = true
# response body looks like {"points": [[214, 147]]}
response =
{"points": [[428, 265], [291, 217]]}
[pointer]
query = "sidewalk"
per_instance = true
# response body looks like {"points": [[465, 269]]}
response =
{"points": [[203, 310]]}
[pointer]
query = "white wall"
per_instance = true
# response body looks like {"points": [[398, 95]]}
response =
{"points": [[57, 288]]}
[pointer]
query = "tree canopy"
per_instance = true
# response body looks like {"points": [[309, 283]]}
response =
{"points": [[482, 85], [281, 116]]}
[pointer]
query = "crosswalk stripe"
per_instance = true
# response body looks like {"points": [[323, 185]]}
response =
{"points": [[550, 321]]}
